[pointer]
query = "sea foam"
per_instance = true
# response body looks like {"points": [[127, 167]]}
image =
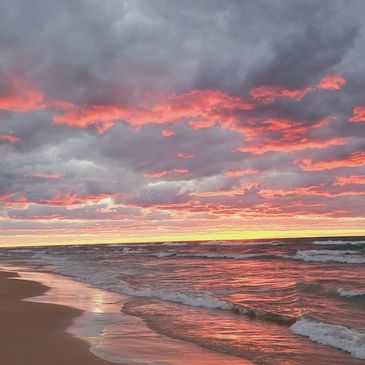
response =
{"points": [[351, 293], [337, 336], [338, 242], [347, 256], [220, 256]]}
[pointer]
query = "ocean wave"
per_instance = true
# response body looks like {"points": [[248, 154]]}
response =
{"points": [[174, 244], [164, 254], [351, 293], [20, 250], [348, 256], [221, 255], [128, 250], [211, 243], [204, 300], [241, 243], [338, 242], [336, 336]]}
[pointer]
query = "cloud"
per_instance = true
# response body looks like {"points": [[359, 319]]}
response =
{"points": [[158, 174], [352, 160], [331, 82], [200, 107], [167, 133], [9, 138], [17, 96], [185, 155], [350, 180], [45, 175], [239, 173], [309, 190], [358, 114]]}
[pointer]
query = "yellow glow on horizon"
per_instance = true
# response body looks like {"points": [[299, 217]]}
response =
{"points": [[97, 238]]}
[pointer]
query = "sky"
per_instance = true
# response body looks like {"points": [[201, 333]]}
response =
{"points": [[127, 121]]}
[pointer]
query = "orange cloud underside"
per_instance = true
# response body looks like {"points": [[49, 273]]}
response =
{"points": [[350, 180], [17, 96], [352, 160], [331, 82], [307, 191], [202, 108], [158, 174], [358, 114], [238, 173], [9, 138], [67, 198]]}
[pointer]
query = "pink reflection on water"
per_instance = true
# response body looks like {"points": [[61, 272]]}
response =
{"points": [[116, 336]]}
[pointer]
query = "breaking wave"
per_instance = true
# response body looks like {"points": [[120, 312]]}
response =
{"points": [[206, 301], [338, 242], [336, 336], [348, 256], [351, 293], [241, 244]]}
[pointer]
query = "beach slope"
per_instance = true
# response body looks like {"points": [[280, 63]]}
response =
{"points": [[34, 333]]}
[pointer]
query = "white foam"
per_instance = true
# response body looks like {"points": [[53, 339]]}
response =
{"points": [[174, 244], [164, 254], [219, 255], [350, 293], [241, 243], [338, 242], [347, 256], [128, 250], [211, 243], [203, 300], [337, 336], [20, 250], [97, 277], [271, 243]]}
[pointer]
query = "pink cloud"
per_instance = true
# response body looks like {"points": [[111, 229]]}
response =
{"points": [[267, 94], [197, 106], [185, 155], [331, 82], [238, 173], [306, 191], [358, 114], [158, 174], [45, 175], [350, 180], [353, 160], [283, 135], [66, 198], [9, 138], [19, 97], [167, 133], [291, 143]]}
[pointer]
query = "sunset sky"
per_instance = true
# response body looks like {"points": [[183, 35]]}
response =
{"points": [[154, 120]]}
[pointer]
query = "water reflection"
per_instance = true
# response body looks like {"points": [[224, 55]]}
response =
{"points": [[116, 336]]}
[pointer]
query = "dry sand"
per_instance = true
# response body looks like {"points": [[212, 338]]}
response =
{"points": [[34, 333]]}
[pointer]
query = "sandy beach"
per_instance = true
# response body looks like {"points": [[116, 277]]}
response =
{"points": [[34, 333]]}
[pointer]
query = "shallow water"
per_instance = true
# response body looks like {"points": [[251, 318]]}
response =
{"points": [[274, 302], [114, 335]]}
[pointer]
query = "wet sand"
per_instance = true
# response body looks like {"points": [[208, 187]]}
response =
{"points": [[34, 333]]}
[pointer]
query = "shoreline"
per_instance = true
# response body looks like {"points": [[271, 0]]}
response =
{"points": [[35, 333], [96, 325]]}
